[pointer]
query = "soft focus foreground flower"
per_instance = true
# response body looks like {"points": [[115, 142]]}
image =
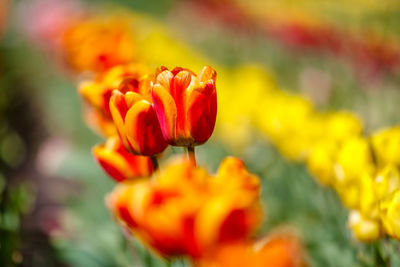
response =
{"points": [[185, 211], [119, 163], [277, 250], [97, 44], [186, 105], [97, 94], [135, 117]]}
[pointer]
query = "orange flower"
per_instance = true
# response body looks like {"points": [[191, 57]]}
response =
{"points": [[277, 250], [98, 44], [135, 118], [185, 211], [119, 163], [186, 105], [97, 94]]}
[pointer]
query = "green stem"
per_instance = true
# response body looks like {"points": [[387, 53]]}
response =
{"points": [[191, 154], [154, 160], [378, 257]]}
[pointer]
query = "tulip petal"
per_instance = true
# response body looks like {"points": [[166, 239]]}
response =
{"points": [[118, 111], [202, 112], [131, 98], [164, 78], [206, 74], [143, 130], [166, 111], [113, 164], [179, 86]]}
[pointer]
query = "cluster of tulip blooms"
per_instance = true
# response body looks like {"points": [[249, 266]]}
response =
{"points": [[179, 209], [328, 143], [141, 113]]}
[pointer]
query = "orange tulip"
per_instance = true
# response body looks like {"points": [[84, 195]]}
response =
{"points": [[97, 94], [119, 164], [186, 105], [97, 44], [277, 250], [135, 118], [185, 211]]}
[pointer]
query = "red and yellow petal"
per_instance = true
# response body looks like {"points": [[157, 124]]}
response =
{"points": [[178, 90], [143, 130], [202, 112], [112, 163], [118, 111], [206, 74], [118, 163], [166, 111], [164, 78]]}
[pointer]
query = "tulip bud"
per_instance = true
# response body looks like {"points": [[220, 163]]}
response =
{"points": [[119, 164], [135, 118], [186, 105]]}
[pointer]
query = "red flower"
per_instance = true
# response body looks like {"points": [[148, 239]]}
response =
{"points": [[135, 118], [186, 105], [119, 163]]}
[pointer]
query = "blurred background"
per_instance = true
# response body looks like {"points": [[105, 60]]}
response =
{"points": [[340, 55]]}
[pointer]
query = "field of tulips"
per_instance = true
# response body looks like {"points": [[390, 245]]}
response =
{"points": [[196, 133]]}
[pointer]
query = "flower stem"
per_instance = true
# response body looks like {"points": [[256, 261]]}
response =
{"points": [[191, 154], [379, 259], [154, 160]]}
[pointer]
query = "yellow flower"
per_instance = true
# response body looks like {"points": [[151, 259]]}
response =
{"points": [[387, 181], [390, 215], [386, 145], [321, 162], [364, 229], [354, 157], [342, 125]]}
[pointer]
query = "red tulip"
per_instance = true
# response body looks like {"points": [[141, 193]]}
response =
{"points": [[135, 118], [119, 163], [186, 105]]}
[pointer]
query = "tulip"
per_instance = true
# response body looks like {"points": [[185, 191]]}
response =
{"points": [[386, 145], [196, 211], [97, 44], [119, 164], [186, 105], [135, 117]]}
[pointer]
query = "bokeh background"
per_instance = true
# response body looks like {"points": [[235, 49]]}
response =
{"points": [[341, 55]]}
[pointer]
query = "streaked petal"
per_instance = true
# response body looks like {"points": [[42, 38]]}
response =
{"points": [[202, 112], [165, 107], [143, 130]]}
